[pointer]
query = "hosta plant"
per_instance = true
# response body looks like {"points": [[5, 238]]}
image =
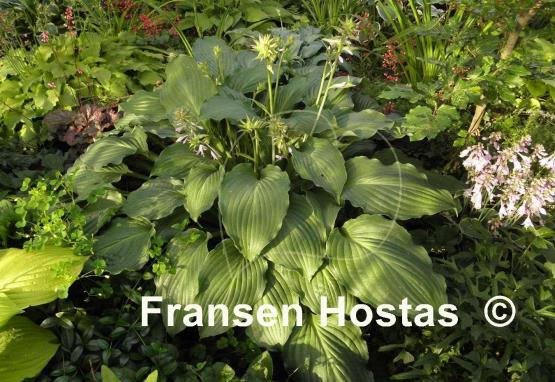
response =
{"points": [[248, 164]]}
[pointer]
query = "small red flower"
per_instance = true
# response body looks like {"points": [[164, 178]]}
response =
{"points": [[149, 26]]}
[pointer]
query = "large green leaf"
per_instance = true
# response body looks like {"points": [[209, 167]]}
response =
{"points": [[85, 180], [377, 261], [230, 279], [218, 57], [108, 375], [278, 293], [25, 349], [187, 252], [399, 190], [113, 149], [8, 309], [316, 353], [144, 105], [201, 188], [39, 276], [155, 199], [322, 163], [421, 122], [324, 284], [176, 161], [363, 124], [186, 86], [125, 244], [301, 242], [222, 107], [253, 207], [102, 210]]}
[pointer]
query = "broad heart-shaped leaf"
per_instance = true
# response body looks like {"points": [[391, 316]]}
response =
{"points": [[222, 107], [176, 161], [112, 149], [8, 309], [39, 276], [377, 261], [322, 163], [85, 180], [324, 284], [186, 87], [301, 242], [218, 57], [201, 188], [102, 210], [421, 122], [260, 370], [187, 252], [25, 349], [230, 279], [144, 105], [125, 244], [316, 353], [364, 124], [252, 207], [278, 293], [399, 190], [155, 199]]}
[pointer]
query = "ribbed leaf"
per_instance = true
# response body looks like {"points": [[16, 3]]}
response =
{"points": [[85, 180], [252, 207], [398, 190], [218, 57], [176, 161], [377, 261], [325, 284], [37, 277], [318, 353], [113, 149], [260, 370], [322, 163], [187, 252], [186, 86], [25, 349], [102, 210], [230, 279], [201, 188], [301, 242], [324, 207], [125, 244], [278, 292], [155, 199], [364, 124], [8, 309], [145, 105], [222, 107]]}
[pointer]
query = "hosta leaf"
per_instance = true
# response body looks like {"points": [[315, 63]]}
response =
{"points": [[102, 210], [218, 57], [363, 124], [230, 279], [278, 292], [186, 86], [307, 121], [155, 199], [25, 349], [301, 242], [176, 161], [201, 188], [222, 107], [399, 190], [152, 377], [113, 149], [377, 261], [421, 122], [145, 105], [39, 276], [325, 284], [325, 208], [125, 244], [85, 180], [187, 252], [8, 309], [260, 370], [252, 207], [327, 353], [322, 163]]}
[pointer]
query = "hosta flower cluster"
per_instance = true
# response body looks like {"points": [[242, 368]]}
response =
{"points": [[518, 179]]}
